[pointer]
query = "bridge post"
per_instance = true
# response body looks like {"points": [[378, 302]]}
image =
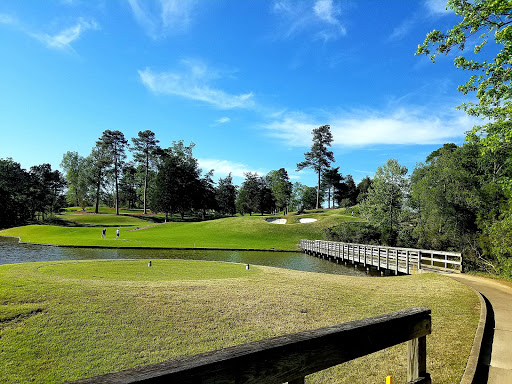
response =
{"points": [[417, 361]]}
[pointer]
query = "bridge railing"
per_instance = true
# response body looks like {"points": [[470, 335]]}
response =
{"points": [[291, 358], [407, 258]]}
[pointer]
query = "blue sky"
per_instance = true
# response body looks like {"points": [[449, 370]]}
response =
{"points": [[246, 80]]}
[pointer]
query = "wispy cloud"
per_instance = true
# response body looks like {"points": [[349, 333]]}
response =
{"points": [[223, 120], [434, 9], [437, 7], [403, 29], [7, 19], [163, 17], [367, 127], [63, 39], [194, 82], [321, 19]]}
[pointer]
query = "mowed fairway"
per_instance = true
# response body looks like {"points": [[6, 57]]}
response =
{"points": [[62, 321], [247, 232]]}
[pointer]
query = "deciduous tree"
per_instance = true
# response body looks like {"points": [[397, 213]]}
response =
{"points": [[382, 207], [225, 195], [485, 25], [281, 188]]}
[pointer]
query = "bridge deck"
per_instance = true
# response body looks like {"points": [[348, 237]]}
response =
{"points": [[398, 260]]}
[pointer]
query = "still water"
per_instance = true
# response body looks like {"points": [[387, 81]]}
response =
{"points": [[12, 252]]}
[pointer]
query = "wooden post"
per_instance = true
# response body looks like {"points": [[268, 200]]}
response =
{"points": [[419, 260], [396, 262], [387, 258], [417, 361], [378, 259], [292, 357], [407, 262]]}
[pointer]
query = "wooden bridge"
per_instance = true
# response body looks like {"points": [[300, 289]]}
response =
{"points": [[395, 260]]}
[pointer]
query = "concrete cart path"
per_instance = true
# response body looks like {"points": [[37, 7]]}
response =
{"points": [[500, 297]]}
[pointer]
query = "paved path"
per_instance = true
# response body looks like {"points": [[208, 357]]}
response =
{"points": [[500, 298]]}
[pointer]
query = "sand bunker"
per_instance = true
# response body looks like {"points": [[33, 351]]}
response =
{"points": [[277, 221], [303, 221]]}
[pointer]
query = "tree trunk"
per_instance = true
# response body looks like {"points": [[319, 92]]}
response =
{"points": [[318, 191], [117, 187], [146, 183], [98, 187]]}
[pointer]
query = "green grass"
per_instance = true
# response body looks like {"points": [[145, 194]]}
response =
{"points": [[63, 321], [103, 220], [135, 270], [247, 232]]}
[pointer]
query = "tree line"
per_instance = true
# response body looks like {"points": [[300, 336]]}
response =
{"points": [[164, 180], [459, 199]]}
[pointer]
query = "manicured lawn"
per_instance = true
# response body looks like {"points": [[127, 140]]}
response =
{"points": [[63, 321], [104, 220], [247, 232]]}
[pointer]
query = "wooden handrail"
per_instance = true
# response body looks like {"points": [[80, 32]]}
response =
{"points": [[371, 254], [292, 357]]}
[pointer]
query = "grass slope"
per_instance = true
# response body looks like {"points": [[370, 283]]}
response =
{"points": [[247, 232], [63, 321]]}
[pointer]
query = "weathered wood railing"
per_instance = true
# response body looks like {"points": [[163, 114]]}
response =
{"points": [[403, 260], [292, 357]]}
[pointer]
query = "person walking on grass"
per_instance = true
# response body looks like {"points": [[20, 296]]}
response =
{"points": [[117, 234], [103, 233]]}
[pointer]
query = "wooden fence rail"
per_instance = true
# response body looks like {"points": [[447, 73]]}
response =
{"points": [[403, 260], [292, 357]]}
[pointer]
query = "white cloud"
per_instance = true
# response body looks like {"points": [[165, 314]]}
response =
{"points": [[163, 17], [194, 83], [325, 11], [224, 167], [223, 120], [366, 127], [320, 18], [437, 7], [65, 37], [61, 40]]}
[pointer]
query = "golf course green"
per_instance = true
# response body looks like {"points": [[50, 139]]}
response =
{"points": [[246, 232], [66, 320], [62, 321]]}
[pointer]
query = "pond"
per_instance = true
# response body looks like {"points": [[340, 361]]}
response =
{"points": [[11, 251]]}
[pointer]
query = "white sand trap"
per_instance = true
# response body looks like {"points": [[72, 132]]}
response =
{"points": [[277, 221], [303, 221]]}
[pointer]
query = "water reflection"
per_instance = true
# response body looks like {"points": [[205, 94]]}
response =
{"points": [[12, 252]]}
